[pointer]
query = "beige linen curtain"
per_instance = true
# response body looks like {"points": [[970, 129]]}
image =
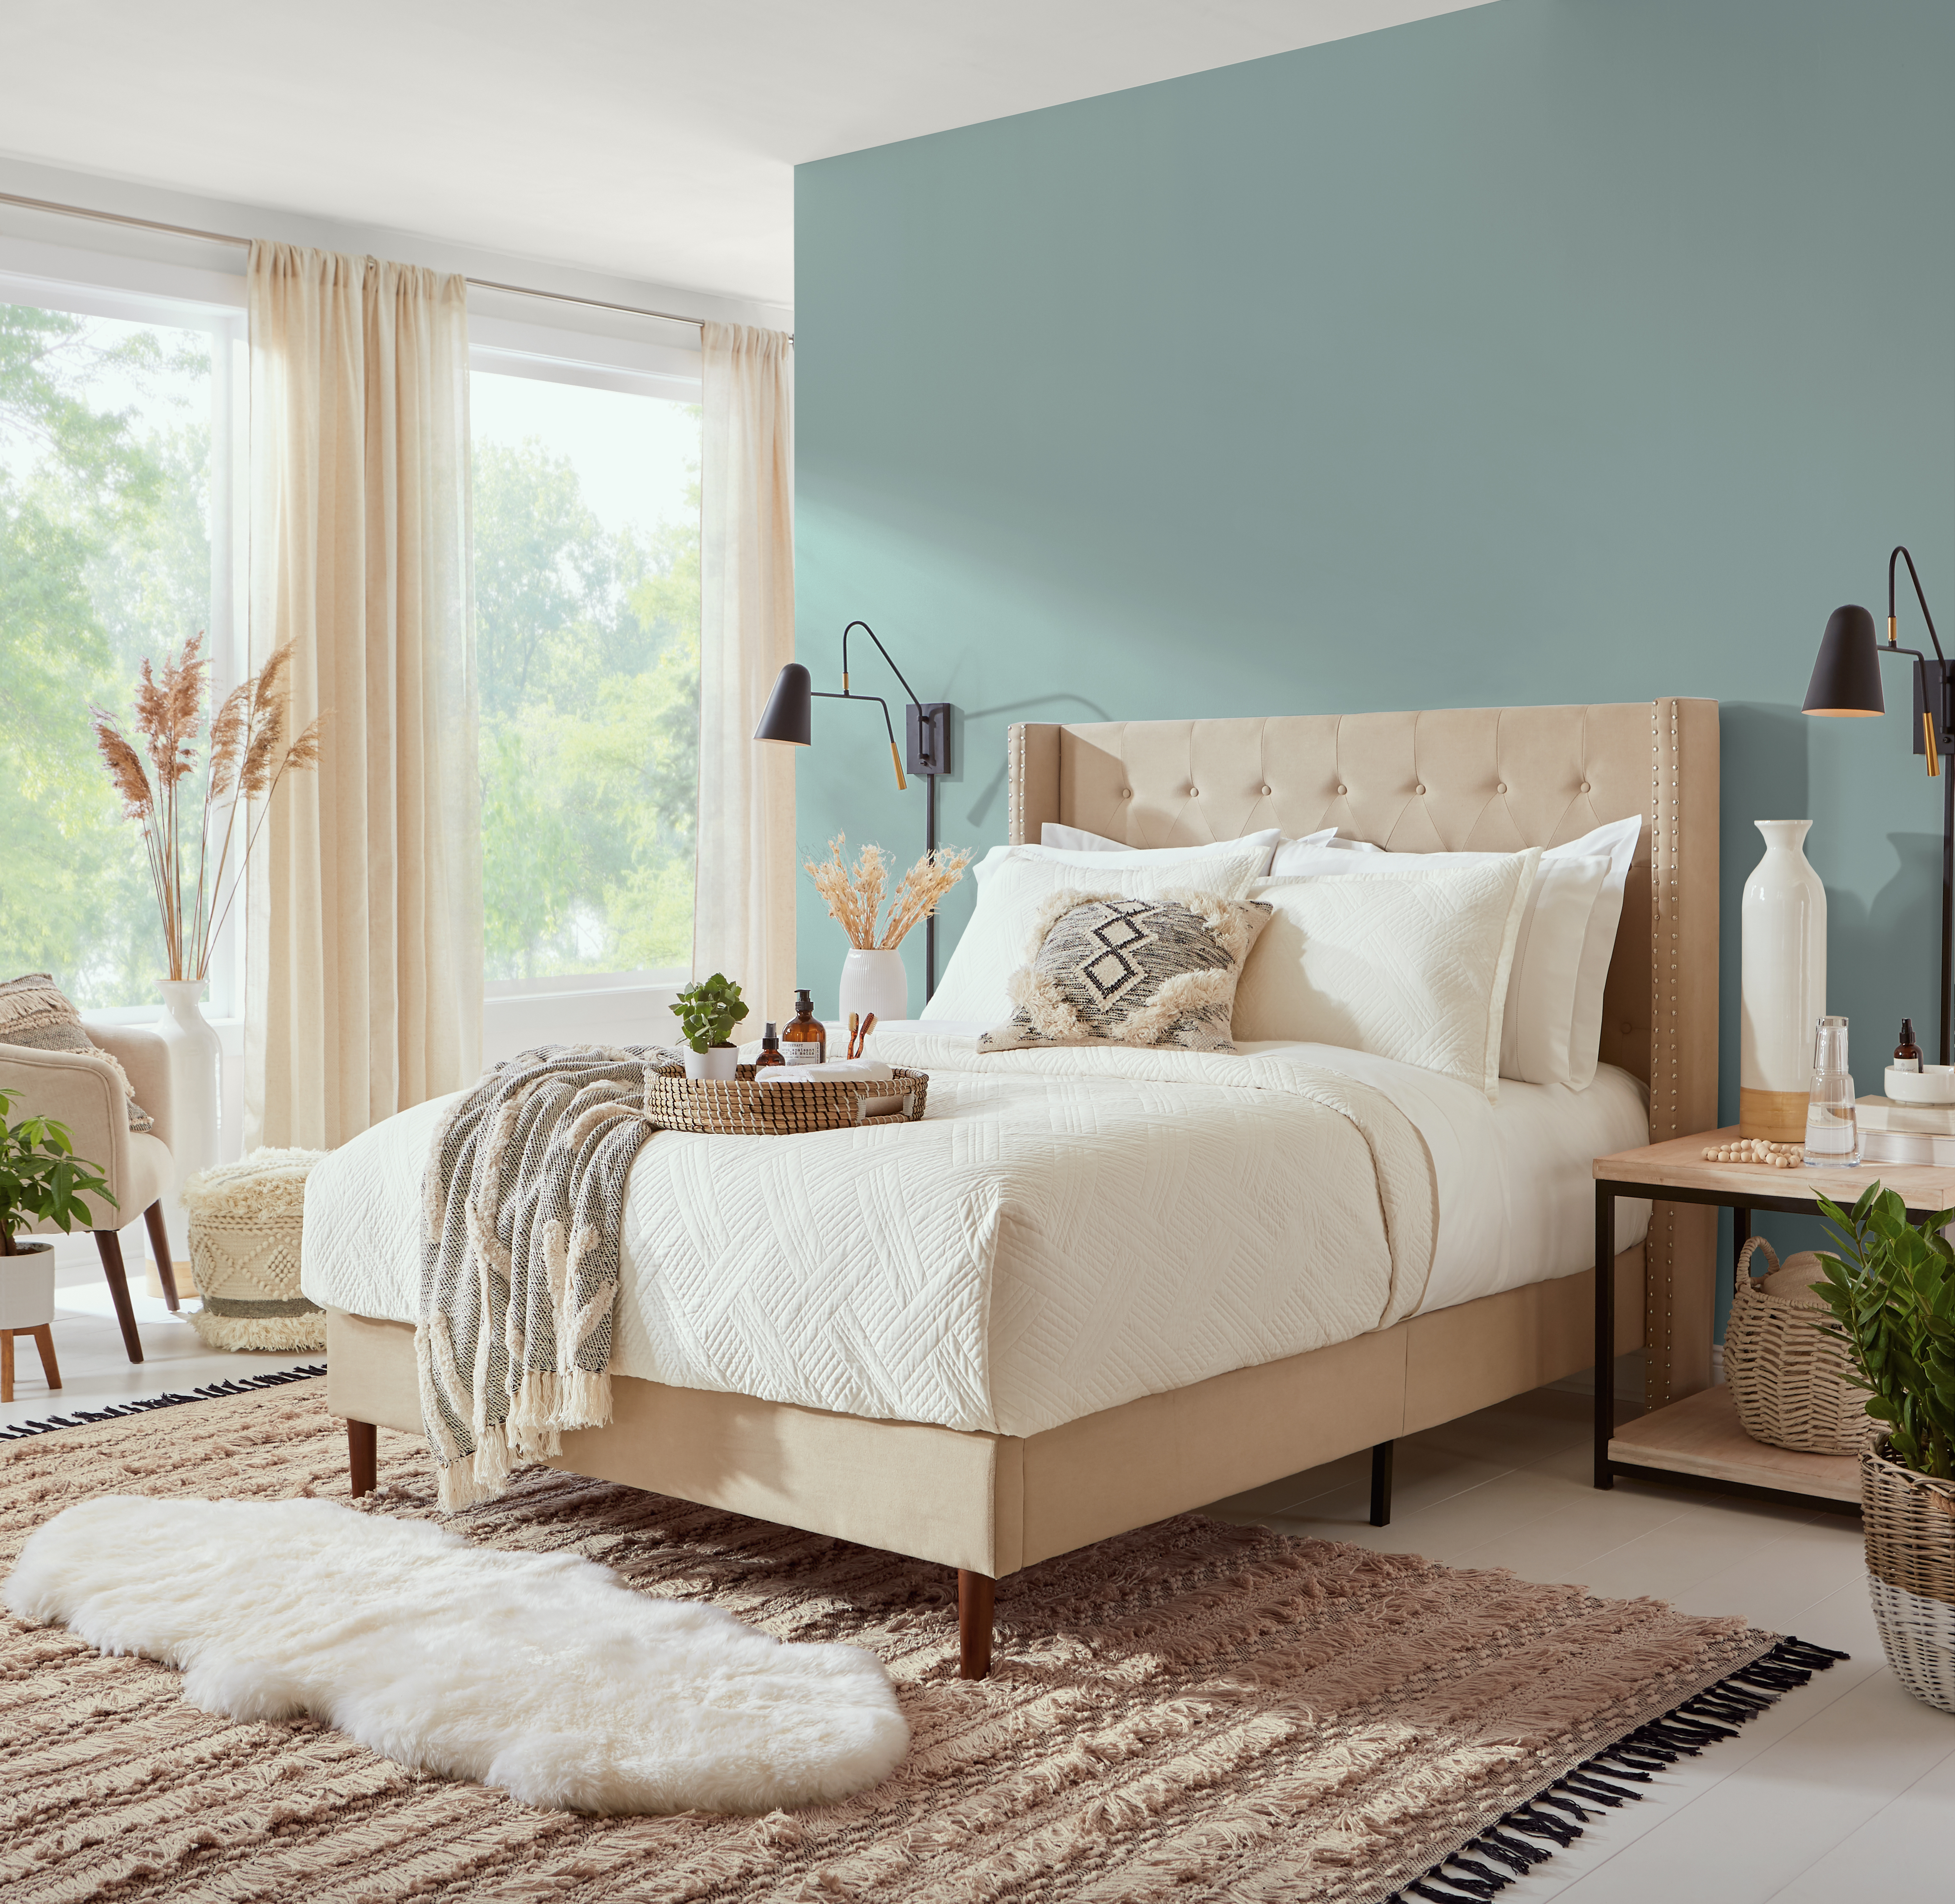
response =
{"points": [[363, 945], [744, 902]]}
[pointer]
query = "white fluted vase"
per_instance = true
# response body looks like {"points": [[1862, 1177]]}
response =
{"points": [[196, 1083], [874, 980], [1782, 986]]}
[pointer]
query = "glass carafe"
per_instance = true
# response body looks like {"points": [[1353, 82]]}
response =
{"points": [[1832, 1128]]}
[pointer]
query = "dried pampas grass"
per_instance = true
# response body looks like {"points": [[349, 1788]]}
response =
{"points": [[854, 896], [243, 745]]}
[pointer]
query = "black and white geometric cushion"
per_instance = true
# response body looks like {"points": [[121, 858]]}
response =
{"points": [[1103, 969]]}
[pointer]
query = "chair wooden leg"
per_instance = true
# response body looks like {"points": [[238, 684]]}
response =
{"points": [[977, 1594], [110, 1244], [6, 1365], [159, 1248], [363, 1456], [44, 1340]]}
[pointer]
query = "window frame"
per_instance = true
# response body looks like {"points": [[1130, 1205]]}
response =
{"points": [[624, 356], [145, 291]]}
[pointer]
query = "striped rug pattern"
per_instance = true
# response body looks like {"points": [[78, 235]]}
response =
{"points": [[1192, 1711]]}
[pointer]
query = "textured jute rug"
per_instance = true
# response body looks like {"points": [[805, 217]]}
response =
{"points": [[1194, 1710]]}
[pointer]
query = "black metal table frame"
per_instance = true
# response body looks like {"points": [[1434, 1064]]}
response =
{"points": [[1607, 1191]]}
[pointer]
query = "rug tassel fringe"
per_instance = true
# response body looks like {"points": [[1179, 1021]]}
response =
{"points": [[1467, 1876], [213, 1391]]}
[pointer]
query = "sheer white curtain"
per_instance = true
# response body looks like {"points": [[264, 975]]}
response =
{"points": [[364, 920], [743, 905]]}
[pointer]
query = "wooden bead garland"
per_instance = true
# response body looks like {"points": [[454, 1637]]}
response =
{"points": [[1758, 1150]]}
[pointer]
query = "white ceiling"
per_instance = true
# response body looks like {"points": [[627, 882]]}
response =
{"points": [[645, 139]]}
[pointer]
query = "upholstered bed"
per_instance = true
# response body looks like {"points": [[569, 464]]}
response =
{"points": [[1095, 1288]]}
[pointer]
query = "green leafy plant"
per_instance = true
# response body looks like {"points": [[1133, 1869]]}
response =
{"points": [[1891, 1290], [708, 1011], [42, 1180]]}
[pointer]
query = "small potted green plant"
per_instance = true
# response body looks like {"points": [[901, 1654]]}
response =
{"points": [[42, 1180], [707, 1009], [1891, 1290]]}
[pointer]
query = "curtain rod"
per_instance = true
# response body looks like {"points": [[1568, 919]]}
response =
{"points": [[231, 238]]}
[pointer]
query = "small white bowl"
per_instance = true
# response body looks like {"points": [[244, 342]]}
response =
{"points": [[1932, 1084]]}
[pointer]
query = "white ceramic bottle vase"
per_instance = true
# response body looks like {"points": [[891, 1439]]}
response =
{"points": [[873, 981], [1782, 986], [196, 1092]]}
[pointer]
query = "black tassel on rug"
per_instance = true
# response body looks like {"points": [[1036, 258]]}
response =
{"points": [[86, 1417]]}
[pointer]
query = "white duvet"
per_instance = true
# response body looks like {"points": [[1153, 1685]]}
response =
{"points": [[1066, 1230]]}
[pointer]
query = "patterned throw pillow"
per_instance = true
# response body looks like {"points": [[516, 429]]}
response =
{"points": [[35, 1012], [1105, 970]]}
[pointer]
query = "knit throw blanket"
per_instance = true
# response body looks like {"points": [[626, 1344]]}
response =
{"points": [[524, 1199]]}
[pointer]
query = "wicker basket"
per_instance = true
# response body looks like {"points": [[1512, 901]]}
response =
{"points": [[744, 1108], [1792, 1384], [1910, 1523]]}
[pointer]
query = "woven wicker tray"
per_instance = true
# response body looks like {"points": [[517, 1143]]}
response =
{"points": [[744, 1108]]}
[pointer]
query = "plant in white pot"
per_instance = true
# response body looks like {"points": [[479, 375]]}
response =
{"points": [[873, 978], [707, 1009], [42, 1180], [1891, 1289]]}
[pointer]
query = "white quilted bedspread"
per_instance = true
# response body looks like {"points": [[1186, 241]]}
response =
{"points": [[1065, 1230]]}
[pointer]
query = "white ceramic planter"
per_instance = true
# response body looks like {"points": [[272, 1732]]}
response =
{"points": [[716, 1065], [874, 981], [27, 1287], [1782, 984]]}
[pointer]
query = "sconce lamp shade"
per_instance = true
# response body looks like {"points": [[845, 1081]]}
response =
{"points": [[1847, 677], [787, 716]]}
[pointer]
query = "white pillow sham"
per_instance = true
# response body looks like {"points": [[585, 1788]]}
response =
{"points": [[1299, 856], [1075, 839], [1014, 882], [1078, 840], [1414, 969], [1552, 1028]]}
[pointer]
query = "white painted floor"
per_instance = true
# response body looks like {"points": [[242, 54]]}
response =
{"points": [[96, 1370], [1843, 1791]]}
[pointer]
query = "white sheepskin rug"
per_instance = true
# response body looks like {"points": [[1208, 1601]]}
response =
{"points": [[543, 1673]]}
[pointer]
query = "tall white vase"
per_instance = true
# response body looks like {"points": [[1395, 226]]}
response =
{"points": [[874, 981], [196, 1089], [1782, 985]]}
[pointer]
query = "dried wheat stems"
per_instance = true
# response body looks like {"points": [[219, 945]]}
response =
{"points": [[247, 757], [854, 896]]}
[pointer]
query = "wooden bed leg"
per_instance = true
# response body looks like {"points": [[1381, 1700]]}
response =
{"points": [[1381, 1484], [976, 1594], [362, 1455]]}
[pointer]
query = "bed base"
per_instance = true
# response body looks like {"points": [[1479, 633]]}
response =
{"points": [[989, 1505]]}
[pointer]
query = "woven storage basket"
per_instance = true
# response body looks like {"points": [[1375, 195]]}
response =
{"points": [[1791, 1384], [245, 1221], [1910, 1523], [744, 1108]]}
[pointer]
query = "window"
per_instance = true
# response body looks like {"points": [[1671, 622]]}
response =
{"points": [[116, 543], [587, 611]]}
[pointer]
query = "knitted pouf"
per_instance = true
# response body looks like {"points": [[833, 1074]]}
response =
{"points": [[245, 1219]]}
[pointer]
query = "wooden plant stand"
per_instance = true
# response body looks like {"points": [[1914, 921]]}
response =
{"points": [[44, 1340]]}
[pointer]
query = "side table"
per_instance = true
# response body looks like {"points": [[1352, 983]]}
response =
{"points": [[1698, 1441]]}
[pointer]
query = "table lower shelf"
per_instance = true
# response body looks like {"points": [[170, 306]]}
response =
{"points": [[1701, 1436]]}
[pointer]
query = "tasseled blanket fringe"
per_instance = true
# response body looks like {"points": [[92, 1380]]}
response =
{"points": [[1558, 1812]]}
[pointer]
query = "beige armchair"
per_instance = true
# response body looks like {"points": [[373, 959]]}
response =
{"points": [[84, 1093]]}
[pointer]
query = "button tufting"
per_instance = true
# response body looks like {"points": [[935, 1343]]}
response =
{"points": [[1502, 788], [1419, 789], [1340, 790], [1126, 792], [1584, 787], [1266, 790], [1627, 1028], [1194, 793]]}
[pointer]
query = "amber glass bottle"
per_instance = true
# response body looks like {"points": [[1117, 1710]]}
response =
{"points": [[770, 1048], [1907, 1053], [804, 1041]]}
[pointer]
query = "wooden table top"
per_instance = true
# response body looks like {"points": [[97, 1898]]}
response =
{"points": [[1679, 1162]]}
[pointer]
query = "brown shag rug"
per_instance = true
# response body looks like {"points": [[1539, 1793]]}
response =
{"points": [[1194, 1710]]}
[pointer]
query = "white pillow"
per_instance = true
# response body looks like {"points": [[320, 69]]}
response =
{"points": [[1071, 841], [1617, 840], [1014, 882], [1300, 856], [1414, 969], [1560, 980]]}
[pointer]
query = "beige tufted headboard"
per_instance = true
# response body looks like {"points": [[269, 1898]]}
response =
{"points": [[1466, 779]]}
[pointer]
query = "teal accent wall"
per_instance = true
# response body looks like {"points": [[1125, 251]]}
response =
{"points": [[1552, 351]]}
